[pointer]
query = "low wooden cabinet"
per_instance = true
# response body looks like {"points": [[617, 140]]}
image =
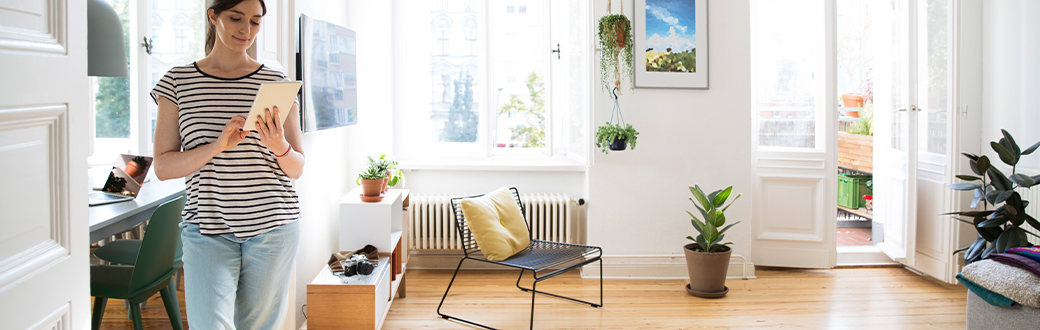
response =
{"points": [[363, 304]]}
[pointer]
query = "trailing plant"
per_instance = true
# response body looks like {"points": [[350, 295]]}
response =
{"points": [[615, 39], [999, 228], [606, 134], [709, 235]]}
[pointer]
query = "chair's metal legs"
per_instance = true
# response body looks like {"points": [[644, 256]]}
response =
{"points": [[446, 316], [564, 297], [533, 291]]}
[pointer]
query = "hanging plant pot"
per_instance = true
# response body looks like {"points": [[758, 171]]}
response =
{"points": [[618, 145]]}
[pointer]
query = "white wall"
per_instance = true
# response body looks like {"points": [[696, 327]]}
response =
{"points": [[335, 155], [1011, 74], [638, 198]]}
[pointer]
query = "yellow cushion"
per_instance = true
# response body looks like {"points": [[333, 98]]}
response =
{"points": [[497, 224]]}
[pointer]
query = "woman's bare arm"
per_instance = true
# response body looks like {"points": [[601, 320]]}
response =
{"points": [[169, 161]]}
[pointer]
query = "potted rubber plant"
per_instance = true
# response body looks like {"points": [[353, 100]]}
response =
{"points": [[615, 137], [999, 227], [615, 42], [707, 258]]}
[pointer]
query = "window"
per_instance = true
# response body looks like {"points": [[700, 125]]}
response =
{"points": [[124, 114], [491, 79]]}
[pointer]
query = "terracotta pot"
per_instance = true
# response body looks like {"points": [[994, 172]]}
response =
{"points": [[854, 114], [371, 187], [132, 169], [852, 100], [384, 188], [620, 28], [707, 271]]}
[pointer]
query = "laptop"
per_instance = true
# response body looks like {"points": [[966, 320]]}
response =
{"points": [[124, 180]]}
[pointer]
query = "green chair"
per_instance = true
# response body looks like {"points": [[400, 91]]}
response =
{"points": [[151, 272]]}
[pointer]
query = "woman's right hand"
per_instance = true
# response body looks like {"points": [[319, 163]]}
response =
{"points": [[232, 134]]}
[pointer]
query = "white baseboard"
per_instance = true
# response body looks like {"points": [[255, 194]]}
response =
{"points": [[863, 256], [662, 266]]}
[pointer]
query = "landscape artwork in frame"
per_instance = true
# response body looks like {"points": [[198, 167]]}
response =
{"points": [[671, 43]]}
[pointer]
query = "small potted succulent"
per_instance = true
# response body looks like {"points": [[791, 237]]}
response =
{"points": [[615, 137], [371, 180], [393, 174], [707, 258]]}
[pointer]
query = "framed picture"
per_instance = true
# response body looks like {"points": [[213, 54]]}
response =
{"points": [[671, 43]]}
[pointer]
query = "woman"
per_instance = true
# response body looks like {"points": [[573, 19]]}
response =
{"points": [[239, 233]]}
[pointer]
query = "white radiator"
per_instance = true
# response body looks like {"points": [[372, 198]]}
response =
{"points": [[552, 217]]}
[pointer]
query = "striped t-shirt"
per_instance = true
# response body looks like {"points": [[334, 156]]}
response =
{"points": [[242, 190]]}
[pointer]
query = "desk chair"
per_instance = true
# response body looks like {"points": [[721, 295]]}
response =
{"points": [[549, 258], [151, 271]]}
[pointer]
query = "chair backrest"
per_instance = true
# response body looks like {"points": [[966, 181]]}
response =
{"points": [[159, 245], [469, 244]]}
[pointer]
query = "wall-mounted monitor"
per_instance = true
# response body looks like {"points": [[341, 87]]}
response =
{"points": [[326, 62]]}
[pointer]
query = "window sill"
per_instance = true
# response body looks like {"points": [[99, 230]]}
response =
{"points": [[497, 165]]}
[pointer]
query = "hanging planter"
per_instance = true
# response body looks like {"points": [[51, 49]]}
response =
{"points": [[615, 42], [617, 135]]}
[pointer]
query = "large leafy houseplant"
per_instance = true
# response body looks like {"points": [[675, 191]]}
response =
{"points": [[998, 228], [709, 237], [608, 133], [615, 42]]}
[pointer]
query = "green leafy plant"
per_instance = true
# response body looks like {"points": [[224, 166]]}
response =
{"points": [[615, 39], [371, 173], [709, 235], [999, 228], [388, 167], [865, 124], [606, 134]]}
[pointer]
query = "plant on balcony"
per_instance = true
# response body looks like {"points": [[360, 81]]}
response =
{"points": [[1001, 227]]}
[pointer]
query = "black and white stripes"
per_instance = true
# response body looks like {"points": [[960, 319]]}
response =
{"points": [[241, 190]]}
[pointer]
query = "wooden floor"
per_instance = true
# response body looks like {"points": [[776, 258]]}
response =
{"points": [[847, 298]]}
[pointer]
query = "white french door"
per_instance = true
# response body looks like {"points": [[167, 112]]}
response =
{"points": [[44, 262], [794, 178], [914, 137]]}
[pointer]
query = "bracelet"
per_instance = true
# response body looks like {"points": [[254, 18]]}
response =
{"points": [[285, 153]]}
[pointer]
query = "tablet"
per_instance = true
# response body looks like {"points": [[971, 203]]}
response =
{"points": [[271, 94]]}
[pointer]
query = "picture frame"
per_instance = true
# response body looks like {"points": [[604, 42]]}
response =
{"points": [[681, 29]]}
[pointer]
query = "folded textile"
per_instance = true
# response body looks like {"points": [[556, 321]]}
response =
{"points": [[1017, 260], [990, 297], [1017, 284], [1031, 252]]}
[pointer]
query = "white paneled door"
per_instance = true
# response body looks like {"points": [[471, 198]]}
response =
{"points": [[44, 271], [794, 179]]}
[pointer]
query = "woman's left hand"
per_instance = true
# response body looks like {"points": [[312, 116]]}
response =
{"points": [[271, 132]]}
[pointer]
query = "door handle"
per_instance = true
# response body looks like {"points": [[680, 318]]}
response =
{"points": [[912, 108]]}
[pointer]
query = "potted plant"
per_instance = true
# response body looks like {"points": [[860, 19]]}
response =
{"points": [[999, 228], [707, 258], [615, 42], [393, 174], [135, 166], [371, 181], [615, 137]]}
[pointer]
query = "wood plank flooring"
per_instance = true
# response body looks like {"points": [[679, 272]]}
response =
{"points": [[846, 298]]}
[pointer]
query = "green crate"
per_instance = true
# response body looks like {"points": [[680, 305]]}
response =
{"points": [[851, 189]]}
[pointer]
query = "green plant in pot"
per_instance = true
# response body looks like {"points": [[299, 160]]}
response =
{"points": [[707, 258], [1001, 227], [371, 181], [615, 41], [615, 137], [393, 174]]}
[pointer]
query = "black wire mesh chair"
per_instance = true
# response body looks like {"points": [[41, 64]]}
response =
{"points": [[546, 257]]}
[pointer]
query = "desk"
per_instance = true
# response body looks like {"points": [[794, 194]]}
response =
{"points": [[110, 219]]}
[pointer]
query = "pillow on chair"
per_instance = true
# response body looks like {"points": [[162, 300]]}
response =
{"points": [[496, 223]]}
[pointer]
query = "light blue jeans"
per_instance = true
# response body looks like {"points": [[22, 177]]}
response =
{"points": [[237, 283]]}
